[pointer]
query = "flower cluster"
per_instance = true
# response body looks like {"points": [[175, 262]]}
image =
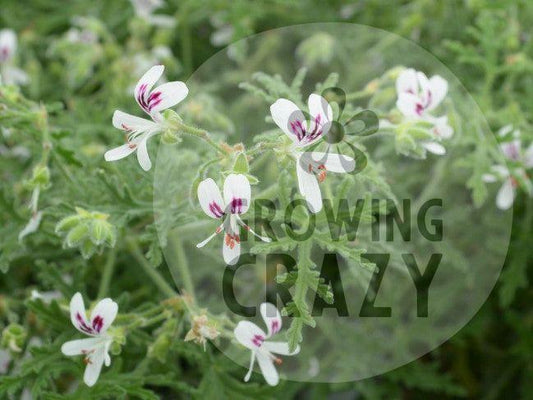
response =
{"points": [[418, 96], [513, 173]]}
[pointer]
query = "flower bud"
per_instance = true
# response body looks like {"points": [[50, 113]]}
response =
{"points": [[241, 164], [88, 231], [14, 337]]}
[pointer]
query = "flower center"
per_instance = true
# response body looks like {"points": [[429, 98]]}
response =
{"points": [[232, 240], [320, 171]]}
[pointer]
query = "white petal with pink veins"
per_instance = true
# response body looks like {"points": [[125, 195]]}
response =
{"points": [[78, 316], [211, 199], [145, 84], [167, 95], [409, 105], [249, 335], [407, 82], [103, 315], [237, 193], [290, 119], [272, 318], [321, 116], [8, 44]]}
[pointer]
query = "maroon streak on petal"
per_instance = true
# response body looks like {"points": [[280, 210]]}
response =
{"points": [[216, 210]]}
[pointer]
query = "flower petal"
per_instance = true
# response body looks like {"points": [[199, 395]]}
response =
{"points": [[167, 95], [131, 123], [280, 348], [333, 162], [249, 335], [407, 82], [409, 105], [78, 316], [231, 248], [103, 315], [267, 369], [438, 88], [94, 366], [142, 154], [321, 116], [211, 199], [308, 185], [237, 193], [81, 346], [272, 318], [505, 196], [441, 129], [143, 87], [434, 147], [512, 149], [290, 120], [120, 152], [8, 44]]}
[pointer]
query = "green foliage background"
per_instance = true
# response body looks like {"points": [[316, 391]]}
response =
{"points": [[69, 102]]}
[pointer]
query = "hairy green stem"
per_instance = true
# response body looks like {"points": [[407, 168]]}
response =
{"points": [[200, 133], [181, 267], [107, 274], [156, 278]]}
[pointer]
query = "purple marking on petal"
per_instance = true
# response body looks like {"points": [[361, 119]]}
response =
{"points": [[141, 97], [274, 326], [236, 205], [82, 325], [154, 99], [4, 54], [317, 129], [216, 210], [98, 323], [419, 108], [298, 129], [258, 340]]}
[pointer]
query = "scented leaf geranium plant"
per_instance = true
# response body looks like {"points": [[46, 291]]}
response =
{"points": [[78, 213]]}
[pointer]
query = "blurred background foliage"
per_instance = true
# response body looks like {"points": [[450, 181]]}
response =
{"points": [[82, 57]]}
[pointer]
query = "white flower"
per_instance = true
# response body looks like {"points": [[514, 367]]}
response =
{"points": [[417, 96], [139, 130], [253, 337], [144, 9], [8, 47], [291, 120], [96, 348], [236, 201], [519, 161]]}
